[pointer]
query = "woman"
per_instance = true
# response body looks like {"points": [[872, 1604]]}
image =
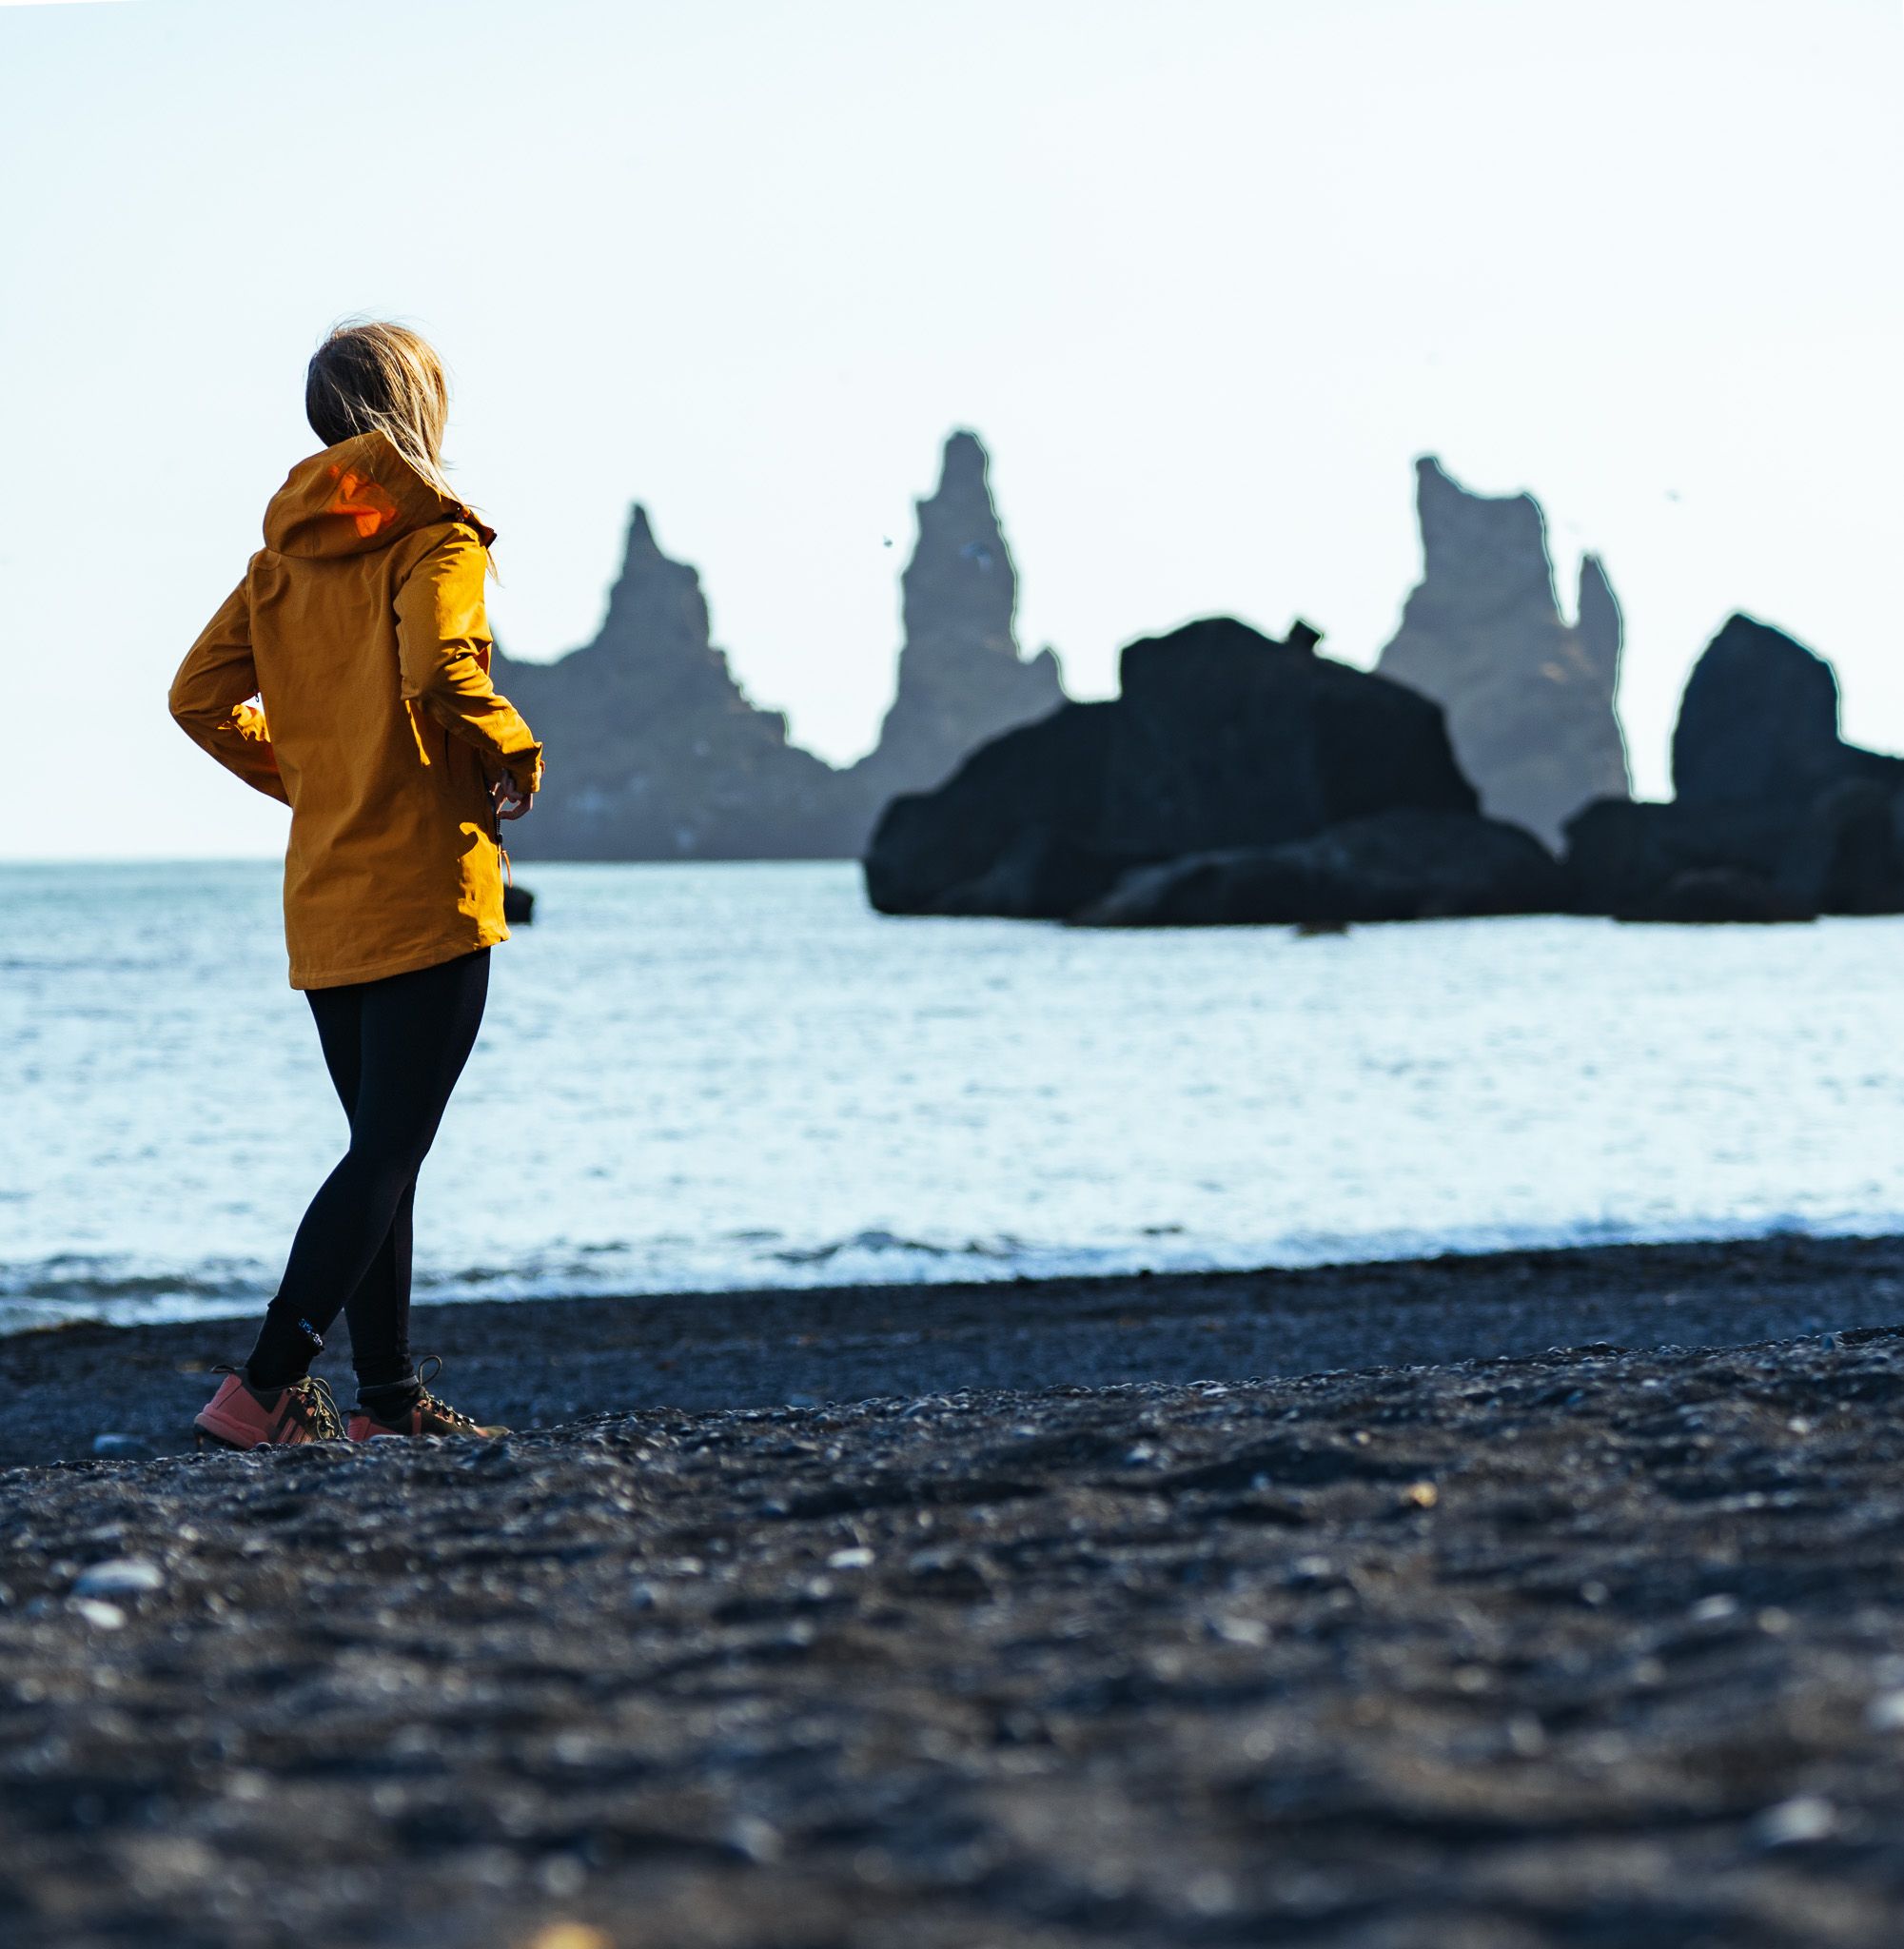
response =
{"points": [[348, 676]]}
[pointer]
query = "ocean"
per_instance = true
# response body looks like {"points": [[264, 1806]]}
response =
{"points": [[714, 1076]]}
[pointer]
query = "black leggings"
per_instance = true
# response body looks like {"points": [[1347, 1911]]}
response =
{"points": [[394, 1049]]}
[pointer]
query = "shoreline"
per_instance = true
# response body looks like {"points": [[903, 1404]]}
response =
{"points": [[536, 1363]]}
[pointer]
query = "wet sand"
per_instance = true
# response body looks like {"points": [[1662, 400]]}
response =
{"points": [[1507, 1651]]}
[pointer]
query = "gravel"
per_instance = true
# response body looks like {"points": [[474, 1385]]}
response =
{"points": [[1595, 1647]]}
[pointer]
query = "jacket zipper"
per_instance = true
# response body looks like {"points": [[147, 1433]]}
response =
{"points": [[495, 824], [496, 834]]}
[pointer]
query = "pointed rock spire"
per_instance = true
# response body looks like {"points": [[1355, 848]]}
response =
{"points": [[656, 753], [1530, 699], [654, 750], [1599, 626], [653, 648], [962, 680]]}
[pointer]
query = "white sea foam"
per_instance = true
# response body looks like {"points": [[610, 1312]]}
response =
{"points": [[705, 1077]]}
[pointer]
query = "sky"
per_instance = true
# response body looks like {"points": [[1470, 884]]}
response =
{"points": [[1206, 278]]}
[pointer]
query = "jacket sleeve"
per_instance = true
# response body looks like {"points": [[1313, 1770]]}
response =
{"points": [[214, 698], [442, 647]]}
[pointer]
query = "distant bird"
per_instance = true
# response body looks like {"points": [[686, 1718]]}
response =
{"points": [[886, 540], [1671, 494]]}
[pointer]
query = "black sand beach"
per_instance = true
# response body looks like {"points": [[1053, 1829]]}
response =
{"points": [[532, 1365], [1461, 1643]]}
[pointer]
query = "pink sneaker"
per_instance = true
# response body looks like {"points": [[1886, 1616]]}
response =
{"points": [[427, 1416], [242, 1416]]}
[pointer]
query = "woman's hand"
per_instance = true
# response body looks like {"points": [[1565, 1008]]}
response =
{"points": [[508, 798]]}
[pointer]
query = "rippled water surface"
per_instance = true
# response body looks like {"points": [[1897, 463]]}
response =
{"points": [[698, 1076]]}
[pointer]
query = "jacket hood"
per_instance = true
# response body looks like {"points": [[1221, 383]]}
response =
{"points": [[354, 496]]}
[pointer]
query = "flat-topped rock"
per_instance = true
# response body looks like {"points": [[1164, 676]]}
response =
{"points": [[1222, 737]]}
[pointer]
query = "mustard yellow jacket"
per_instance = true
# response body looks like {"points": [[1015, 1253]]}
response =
{"points": [[348, 675]]}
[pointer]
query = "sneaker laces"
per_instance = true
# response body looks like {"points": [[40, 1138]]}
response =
{"points": [[320, 1407], [435, 1404], [427, 1369], [314, 1396]]}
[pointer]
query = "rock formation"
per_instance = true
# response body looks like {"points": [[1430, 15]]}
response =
{"points": [[1529, 698], [656, 751], [1758, 725], [1404, 865], [1775, 815], [1222, 741], [961, 677], [1238, 779]]}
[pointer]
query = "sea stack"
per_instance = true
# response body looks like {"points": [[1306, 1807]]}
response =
{"points": [[1776, 816], [1758, 725], [1235, 779], [1529, 697], [962, 680], [654, 750]]}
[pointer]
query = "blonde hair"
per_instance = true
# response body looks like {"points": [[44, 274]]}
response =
{"points": [[370, 376]]}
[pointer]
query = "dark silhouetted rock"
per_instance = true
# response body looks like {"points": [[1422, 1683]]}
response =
{"points": [[1775, 817], [1040, 875], [1621, 854], [654, 752], [1529, 698], [1223, 739], [1847, 855], [961, 677], [1758, 725], [1036, 787], [1718, 895], [1405, 865]]}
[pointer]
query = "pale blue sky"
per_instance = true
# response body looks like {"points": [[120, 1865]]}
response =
{"points": [[1206, 277]]}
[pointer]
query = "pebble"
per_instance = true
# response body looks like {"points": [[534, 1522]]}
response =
{"points": [[1792, 1823], [99, 1614], [1250, 1631], [120, 1577]]}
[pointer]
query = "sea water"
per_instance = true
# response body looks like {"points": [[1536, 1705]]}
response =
{"points": [[698, 1076]]}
